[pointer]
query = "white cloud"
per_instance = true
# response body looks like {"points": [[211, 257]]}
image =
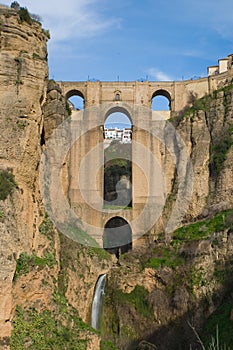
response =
{"points": [[71, 19], [158, 74]]}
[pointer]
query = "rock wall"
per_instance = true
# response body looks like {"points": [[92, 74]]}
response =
{"points": [[30, 250], [23, 80]]}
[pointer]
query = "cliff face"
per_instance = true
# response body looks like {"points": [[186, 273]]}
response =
{"points": [[38, 283], [23, 76], [164, 291]]}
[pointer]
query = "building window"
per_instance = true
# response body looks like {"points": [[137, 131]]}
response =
{"points": [[117, 97]]}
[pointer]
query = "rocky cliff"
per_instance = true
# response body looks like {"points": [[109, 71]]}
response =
{"points": [[157, 294], [23, 76], [30, 247]]}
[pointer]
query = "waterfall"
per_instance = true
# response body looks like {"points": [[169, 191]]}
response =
{"points": [[97, 302]]}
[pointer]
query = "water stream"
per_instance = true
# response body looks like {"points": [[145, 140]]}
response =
{"points": [[97, 302]]}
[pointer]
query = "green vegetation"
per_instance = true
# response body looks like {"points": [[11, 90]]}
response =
{"points": [[195, 278], [58, 329], [35, 56], [100, 253], [77, 234], [7, 184], [15, 5], [107, 345], [2, 214], [26, 263], [203, 229], [18, 61], [220, 145], [24, 15], [68, 109], [46, 228], [221, 319], [46, 33], [138, 298], [219, 150], [165, 257], [193, 107], [117, 168], [225, 89], [22, 124]]}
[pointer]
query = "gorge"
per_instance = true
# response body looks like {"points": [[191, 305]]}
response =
{"points": [[161, 286]]}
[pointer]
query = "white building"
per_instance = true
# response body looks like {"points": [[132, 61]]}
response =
{"points": [[126, 135], [123, 136]]}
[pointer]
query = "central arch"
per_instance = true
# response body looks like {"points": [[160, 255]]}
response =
{"points": [[117, 237], [117, 158], [119, 108]]}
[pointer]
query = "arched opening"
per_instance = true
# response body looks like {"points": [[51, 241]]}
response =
{"points": [[117, 160], [117, 96], [117, 237], [75, 100], [161, 101]]}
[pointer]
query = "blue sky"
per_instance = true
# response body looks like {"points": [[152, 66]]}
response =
{"points": [[131, 39]]}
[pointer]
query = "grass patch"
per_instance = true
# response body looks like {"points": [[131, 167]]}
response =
{"points": [[78, 235], [7, 184], [26, 263], [165, 257], [203, 229], [100, 253], [138, 298]]}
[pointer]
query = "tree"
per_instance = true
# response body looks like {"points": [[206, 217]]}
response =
{"points": [[15, 5]]}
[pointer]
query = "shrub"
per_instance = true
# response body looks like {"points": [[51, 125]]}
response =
{"points": [[44, 330], [15, 5], [24, 15], [107, 345], [46, 33], [46, 228], [2, 215], [7, 184], [219, 151]]}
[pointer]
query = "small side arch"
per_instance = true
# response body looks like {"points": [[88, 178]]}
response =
{"points": [[161, 100], [76, 99]]}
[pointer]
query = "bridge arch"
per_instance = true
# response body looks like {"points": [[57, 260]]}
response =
{"points": [[117, 236], [76, 104], [161, 93], [118, 109]]}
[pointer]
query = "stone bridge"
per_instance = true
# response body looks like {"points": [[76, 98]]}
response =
{"points": [[153, 164], [95, 93]]}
